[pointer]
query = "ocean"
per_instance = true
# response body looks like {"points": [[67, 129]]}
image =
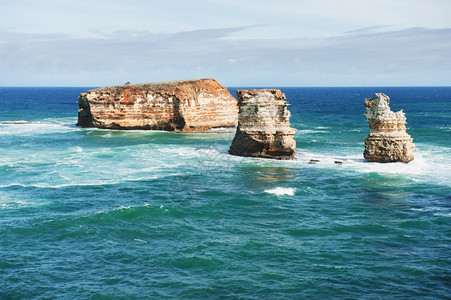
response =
{"points": [[105, 214]]}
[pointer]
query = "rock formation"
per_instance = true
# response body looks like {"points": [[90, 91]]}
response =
{"points": [[388, 140], [187, 106], [263, 125]]}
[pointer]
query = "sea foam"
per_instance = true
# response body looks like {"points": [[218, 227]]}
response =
{"points": [[429, 165], [280, 191], [25, 128]]}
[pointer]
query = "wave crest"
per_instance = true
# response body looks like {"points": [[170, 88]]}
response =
{"points": [[281, 191]]}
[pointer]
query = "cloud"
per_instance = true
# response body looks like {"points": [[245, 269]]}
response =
{"points": [[139, 48], [361, 57], [368, 29], [209, 34]]}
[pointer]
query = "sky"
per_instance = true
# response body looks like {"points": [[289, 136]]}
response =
{"points": [[239, 43]]}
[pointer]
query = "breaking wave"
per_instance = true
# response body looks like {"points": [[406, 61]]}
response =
{"points": [[281, 191]]}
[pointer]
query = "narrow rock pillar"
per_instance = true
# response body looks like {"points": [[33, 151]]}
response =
{"points": [[263, 125], [388, 140]]}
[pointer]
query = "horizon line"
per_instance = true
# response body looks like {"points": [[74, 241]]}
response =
{"points": [[243, 86]]}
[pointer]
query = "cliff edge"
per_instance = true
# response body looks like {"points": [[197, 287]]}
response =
{"points": [[185, 106]]}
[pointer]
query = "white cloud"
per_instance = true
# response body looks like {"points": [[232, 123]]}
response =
{"points": [[358, 58], [286, 42], [285, 18]]}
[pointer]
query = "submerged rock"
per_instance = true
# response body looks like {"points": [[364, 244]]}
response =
{"points": [[263, 125], [388, 140], [187, 106]]}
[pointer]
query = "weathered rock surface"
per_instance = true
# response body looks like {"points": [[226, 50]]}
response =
{"points": [[263, 125], [187, 106], [388, 140]]}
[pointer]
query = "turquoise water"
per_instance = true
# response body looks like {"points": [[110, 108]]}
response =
{"points": [[100, 214]]}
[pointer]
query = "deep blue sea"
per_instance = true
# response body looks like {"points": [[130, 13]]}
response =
{"points": [[103, 214]]}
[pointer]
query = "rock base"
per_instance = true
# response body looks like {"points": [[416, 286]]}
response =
{"points": [[389, 148]]}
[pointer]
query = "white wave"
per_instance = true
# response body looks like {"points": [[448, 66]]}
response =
{"points": [[418, 166], [204, 154], [223, 130], [13, 185], [24, 128], [17, 204], [77, 149], [78, 184], [431, 165], [14, 122], [122, 207], [442, 214], [8, 202], [100, 212], [311, 130], [140, 241], [280, 191], [436, 211]]}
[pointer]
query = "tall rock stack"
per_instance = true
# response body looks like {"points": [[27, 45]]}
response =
{"points": [[388, 140], [186, 106], [263, 125]]}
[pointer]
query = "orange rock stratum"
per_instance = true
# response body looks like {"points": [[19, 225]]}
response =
{"points": [[185, 106]]}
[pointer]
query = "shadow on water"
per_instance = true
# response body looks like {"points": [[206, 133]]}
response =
{"points": [[385, 191], [260, 178]]}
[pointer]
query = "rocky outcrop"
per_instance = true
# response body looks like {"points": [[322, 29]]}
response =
{"points": [[388, 140], [263, 125], [186, 106]]}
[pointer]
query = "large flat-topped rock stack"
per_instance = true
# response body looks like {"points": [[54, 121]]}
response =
{"points": [[263, 125], [186, 106], [388, 140]]}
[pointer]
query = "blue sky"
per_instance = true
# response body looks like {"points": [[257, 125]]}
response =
{"points": [[239, 43]]}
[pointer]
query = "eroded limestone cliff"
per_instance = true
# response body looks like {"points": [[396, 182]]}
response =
{"points": [[263, 125], [388, 140], [187, 106]]}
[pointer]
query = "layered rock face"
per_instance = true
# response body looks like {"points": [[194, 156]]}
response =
{"points": [[388, 140], [187, 106], [263, 125]]}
